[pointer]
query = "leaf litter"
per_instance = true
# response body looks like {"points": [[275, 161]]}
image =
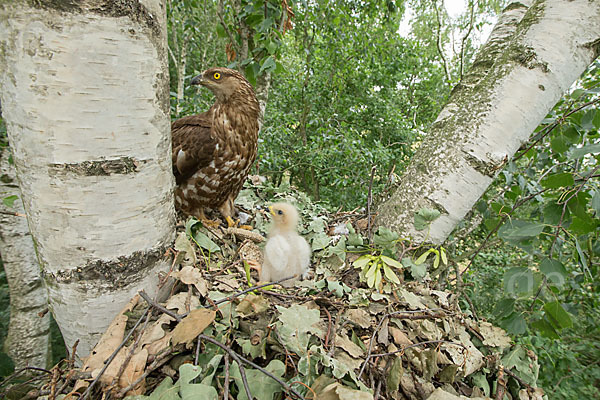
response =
{"points": [[330, 337]]}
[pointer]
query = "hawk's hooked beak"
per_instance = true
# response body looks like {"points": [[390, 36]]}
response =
{"points": [[198, 80]]}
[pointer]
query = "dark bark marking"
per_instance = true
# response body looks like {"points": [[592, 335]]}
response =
{"points": [[123, 165], [119, 273]]}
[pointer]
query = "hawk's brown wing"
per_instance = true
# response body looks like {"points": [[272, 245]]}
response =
{"points": [[193, 145]]}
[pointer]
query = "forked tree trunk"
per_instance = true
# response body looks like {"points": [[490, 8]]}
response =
{"points": [[532, 57], [27, 341], [86, 102]]}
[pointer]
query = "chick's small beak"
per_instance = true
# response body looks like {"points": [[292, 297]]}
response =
{"points": [[198, 80], [271, 210]]}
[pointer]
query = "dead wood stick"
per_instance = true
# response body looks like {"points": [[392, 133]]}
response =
{"points": [[408, 312], [159, 361], [88, 391], [240, 358]]}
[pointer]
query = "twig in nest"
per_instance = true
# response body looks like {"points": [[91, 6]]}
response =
{"points": [[410, 346], [132, 350], [408, 316], [159, 361], [252, 288], [238, 358], [328, 327], [226, 382], [519, 379], [70, 365], [501, 386], [88, 391], [369, 202], [160, 308]]}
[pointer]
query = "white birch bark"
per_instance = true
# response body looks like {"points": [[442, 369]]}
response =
{"points": [[532, 57], [28, 338], [85, 98]]}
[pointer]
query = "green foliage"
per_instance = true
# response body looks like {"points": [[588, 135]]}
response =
{"points": [[547, 205]]}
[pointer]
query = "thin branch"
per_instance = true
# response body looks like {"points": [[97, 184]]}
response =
{"points": [[552, 126], [227, 31], [369, 203], [238, 358], [464, 39], [408, 316], [410, 346], [504, 218], [438, 41], [161, 359], [88, 391]]}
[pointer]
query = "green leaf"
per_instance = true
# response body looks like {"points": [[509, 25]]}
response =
{"points": [[362, 261], [558, 315], [372, 269], [384, 237], [444, 258], [423, 257], [545, 328], [191, 391], [585, 150], [554, 270], [221, 31], [295, 332], [205, 242], [319, 241], [581, 226], [267, 66], [596, 203], [261, 386], [504, 308], [515, 324], [390, 261], [555, 181], [518, 281], [436, 260], [559, 144], [390, 275], [378, 277], [424, 217], [516, 230], [418, 271], [582, 259], [553, 212], [9, 201]]}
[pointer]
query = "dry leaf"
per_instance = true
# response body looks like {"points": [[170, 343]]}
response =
{"points": [[252, 304], [359, 317], [343, 342], [399, 337], [191, 275], [191, 326], [179, 302], [110, 340], [135, 368]]}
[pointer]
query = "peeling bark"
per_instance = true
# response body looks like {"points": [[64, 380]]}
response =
{"points": [[86, 102], [533, 55], [28, 338]]}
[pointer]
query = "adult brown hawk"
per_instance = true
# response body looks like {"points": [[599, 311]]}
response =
{"points": [[213, 151]]}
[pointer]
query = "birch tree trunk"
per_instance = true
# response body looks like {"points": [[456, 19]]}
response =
{"points": [[533, 55], [27, 341], [85, 98]]}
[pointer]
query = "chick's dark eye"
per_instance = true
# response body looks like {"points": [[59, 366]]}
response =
{"points": [[279, 212]]}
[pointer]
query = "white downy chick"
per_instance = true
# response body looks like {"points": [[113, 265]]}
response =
{"points": [[286, 252]]}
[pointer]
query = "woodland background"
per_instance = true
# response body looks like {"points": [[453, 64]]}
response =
{"points": [[346, 90]]}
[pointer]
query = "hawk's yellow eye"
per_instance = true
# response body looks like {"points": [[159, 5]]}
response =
{"points": [[217, 76]]}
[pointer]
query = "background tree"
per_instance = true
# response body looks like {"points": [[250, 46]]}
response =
{"points": [[27, 337], [484, 123], [84, 96]]}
